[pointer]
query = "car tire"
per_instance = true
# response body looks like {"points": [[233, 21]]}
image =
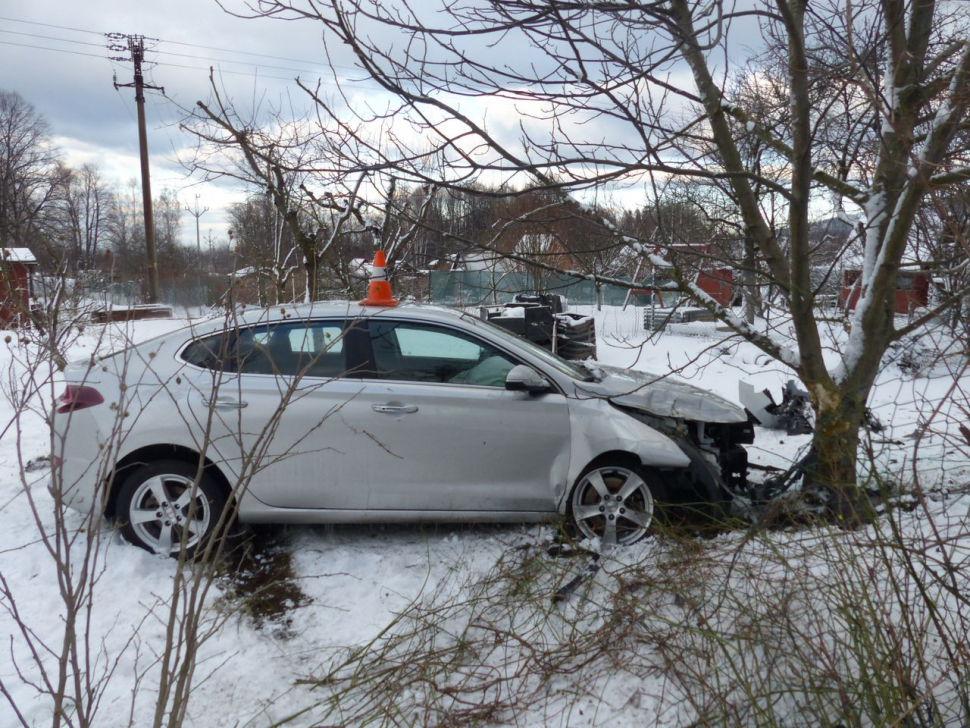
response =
{"points": [[157, 512], [616, 503]]}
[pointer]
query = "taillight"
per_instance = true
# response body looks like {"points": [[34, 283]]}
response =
{"points": [[76, 397]]}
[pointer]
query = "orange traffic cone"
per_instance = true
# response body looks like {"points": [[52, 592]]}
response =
{"points": [[379, 290]]}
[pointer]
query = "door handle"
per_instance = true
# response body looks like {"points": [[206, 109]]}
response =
{"points": [[225, 402], [394, 408]]}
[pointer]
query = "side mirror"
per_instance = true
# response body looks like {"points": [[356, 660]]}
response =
{"points": [[526, 379]]}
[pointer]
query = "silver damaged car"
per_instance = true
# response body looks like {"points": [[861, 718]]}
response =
{"points": [[340, 413]]}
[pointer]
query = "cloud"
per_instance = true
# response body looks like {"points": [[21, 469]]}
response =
{"points": [[91, 122]]}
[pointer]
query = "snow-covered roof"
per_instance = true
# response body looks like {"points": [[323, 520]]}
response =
{"points": [[480, 261], [18, 255], [361, 268], [911, 257]]}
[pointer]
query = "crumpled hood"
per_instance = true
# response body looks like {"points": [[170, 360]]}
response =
{"points": [[662, 397]]}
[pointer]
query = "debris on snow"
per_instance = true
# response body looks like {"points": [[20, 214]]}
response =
{"points": [[793, 414]]}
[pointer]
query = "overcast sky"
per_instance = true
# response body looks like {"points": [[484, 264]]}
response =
{"points": [[54, 53], [67, 75]]}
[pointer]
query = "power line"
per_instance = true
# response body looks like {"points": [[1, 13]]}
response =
{"points": [[163, 111], [51, 37], [51, 25], [224, 70], [229, 60], [261, 75], [156, 63], [56, 50], [170, 65], [247, 53], [190, 45]]}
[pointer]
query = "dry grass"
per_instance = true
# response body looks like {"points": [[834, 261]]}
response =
{"points": [[770, 628]]}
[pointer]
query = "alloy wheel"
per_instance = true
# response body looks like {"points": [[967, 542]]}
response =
{"points": [[163, 513], [613, 505]]}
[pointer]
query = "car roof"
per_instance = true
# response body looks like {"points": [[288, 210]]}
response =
{"points": [[346, 309], [251, 315]]}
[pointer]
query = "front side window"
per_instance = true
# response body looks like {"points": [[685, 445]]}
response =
{"points": [[311, 349], [414, 352], [544, 355]]}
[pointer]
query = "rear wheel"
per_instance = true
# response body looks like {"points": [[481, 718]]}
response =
{"points": [[615, 504], [160, 507]]}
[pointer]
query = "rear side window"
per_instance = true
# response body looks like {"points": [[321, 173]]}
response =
{"points": [[211, 352], [310, 349]]}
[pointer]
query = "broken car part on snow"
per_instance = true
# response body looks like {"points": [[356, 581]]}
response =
{"points": [[792, 414]]}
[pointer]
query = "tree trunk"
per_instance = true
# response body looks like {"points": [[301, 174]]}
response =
{"points": [[310, 266], [261, 288], [748, 280], [831, 464]]}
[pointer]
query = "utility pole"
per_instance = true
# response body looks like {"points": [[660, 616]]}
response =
{"points": [[198, 241], [135, 46], [197, 214], [210, 240]]}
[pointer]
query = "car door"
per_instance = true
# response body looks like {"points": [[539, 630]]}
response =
{"points": [[448, 436], [271, 399]]}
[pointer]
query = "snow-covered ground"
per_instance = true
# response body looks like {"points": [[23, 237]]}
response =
{"points": [[459, 619], [925, 408]]}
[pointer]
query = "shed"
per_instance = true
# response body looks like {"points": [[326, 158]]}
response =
{"points": [[17, 266], [717, 283], [912, 290]]}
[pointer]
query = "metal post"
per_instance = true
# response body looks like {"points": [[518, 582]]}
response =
{"points": [[198, 244]]}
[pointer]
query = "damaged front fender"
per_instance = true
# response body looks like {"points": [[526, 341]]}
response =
{"points": [[599, 428], [660, 396]]}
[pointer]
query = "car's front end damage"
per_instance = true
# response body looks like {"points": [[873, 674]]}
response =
{"points": [[711, 431], [719, 462]]}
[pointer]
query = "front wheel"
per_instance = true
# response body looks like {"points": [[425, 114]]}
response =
{"points": [[160, 507], [614, 504]]}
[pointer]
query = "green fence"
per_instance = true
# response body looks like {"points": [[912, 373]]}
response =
{"points": [[482, 287]]}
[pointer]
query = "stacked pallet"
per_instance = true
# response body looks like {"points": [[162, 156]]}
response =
{"points": [[543, 320]]}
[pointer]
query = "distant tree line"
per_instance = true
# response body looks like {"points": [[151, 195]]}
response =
{"points": [[75, 220]]}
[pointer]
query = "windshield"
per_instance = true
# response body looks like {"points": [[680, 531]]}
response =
{"points": [[561, 365]]}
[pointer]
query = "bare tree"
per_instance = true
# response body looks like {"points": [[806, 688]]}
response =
{"points": [[333, 203], [87, 203], [265, 244], [874, 100], [30, 173], [125, 231], [276, 156], [401, 217], [943, 250]]}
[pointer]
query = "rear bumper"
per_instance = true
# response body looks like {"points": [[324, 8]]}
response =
{"points": [[79, 464]]}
